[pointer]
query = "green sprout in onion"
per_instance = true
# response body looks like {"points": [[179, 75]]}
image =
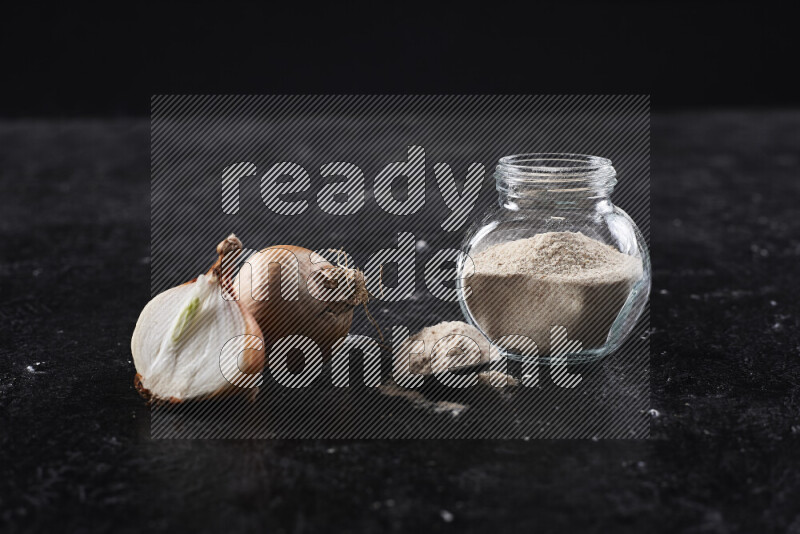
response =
{"points": [[185, 318]]}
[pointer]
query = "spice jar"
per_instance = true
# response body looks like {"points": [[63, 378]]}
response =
{"points": [[555, 261]]}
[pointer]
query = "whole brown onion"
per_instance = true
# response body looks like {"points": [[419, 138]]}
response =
{"points": [[291, 290]]}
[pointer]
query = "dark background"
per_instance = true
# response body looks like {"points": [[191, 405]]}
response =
{"points": [[107, 59], [75, 238]]}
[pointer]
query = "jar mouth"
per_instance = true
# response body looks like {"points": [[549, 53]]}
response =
{"points": [[566, 176], [546, 166]]}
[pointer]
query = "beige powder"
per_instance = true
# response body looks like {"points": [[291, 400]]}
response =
{"points": [[446, 346], [450, 346], [525, 287]]}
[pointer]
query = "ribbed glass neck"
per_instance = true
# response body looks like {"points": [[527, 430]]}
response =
{"points": [[566, 181]]}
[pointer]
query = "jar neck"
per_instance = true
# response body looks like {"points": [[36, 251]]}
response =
{"points": [[553, 181]]}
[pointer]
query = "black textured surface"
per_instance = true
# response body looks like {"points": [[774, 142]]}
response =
{"points": [[75, 455]]}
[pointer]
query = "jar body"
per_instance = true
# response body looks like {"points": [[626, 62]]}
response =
{"points": [[530, 296]]}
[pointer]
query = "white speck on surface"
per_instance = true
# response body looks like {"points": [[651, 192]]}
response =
{"points": [[421, 245], [654, 413], [773, 303], [331, 450], [447, 516], [663, 292], [30, 369]]}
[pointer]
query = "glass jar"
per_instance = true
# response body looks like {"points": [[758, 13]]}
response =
{"points": [[555, 252]]}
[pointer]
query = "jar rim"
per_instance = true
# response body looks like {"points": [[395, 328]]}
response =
{"points": [[552, 163]]}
